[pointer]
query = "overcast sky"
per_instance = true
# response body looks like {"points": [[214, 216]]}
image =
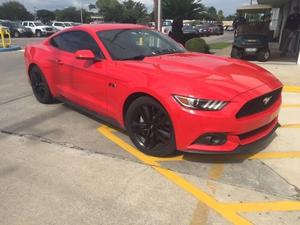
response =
{"points": [[228, 6]]}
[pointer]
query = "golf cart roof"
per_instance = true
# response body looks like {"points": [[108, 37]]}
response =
{"points": [[254, 8]]}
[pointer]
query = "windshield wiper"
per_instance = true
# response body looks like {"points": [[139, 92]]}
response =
{"points": [[137, 57]]}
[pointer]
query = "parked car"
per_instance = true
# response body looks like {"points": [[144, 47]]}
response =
{"points": [[210, 104], [39, 29], [61, 25], [189, 30], [58, 25], [203, 30], [16, 29]]}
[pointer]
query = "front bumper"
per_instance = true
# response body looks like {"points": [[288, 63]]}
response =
{"points": [[189, 125]]}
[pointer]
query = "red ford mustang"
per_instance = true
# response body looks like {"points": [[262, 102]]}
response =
{"points": [[165, 97]]}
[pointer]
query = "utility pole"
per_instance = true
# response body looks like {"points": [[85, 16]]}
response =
{"points": [[81, 12], [251, 1], [158, 14]]}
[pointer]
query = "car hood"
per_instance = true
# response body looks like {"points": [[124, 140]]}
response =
{"points": [[207, 75]]}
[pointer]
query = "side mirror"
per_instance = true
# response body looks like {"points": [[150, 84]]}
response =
{"points": [[85, 55]]}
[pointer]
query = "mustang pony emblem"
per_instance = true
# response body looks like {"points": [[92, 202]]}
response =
{"points": [[266, 100]]}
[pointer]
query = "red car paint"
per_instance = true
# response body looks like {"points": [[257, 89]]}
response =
{"points": [[88, 84]]}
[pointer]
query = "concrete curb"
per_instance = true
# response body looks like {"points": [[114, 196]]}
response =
{"points": [[11, 48]]}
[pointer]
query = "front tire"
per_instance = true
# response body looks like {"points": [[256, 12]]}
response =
{"points": [[236, 53], [40, 86], [149, 127]]}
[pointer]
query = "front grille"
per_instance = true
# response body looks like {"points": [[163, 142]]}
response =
{"points": [[259, 104], [48, 29]]}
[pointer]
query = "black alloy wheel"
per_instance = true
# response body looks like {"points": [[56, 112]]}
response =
{"points": [[40, 87], [150, 127]]}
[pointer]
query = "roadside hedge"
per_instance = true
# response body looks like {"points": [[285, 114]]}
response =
{"points": [[197, 45]]}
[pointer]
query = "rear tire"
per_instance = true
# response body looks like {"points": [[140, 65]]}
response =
{"points": [[236, 53], [263, 55], [40, 86], [38, 33], [17, 34], [149, 127]]}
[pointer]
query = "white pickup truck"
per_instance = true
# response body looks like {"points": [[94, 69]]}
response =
{"points": [[38, 28]]}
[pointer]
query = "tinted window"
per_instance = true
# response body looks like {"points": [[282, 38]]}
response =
{"points": [[76, 40], [58, 24], [129, 44], [25, 23]]}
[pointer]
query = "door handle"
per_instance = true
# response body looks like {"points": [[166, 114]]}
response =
{"points": [[59, 62]]}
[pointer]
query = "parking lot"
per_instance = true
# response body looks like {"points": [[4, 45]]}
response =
{"points": [[60, 166]]}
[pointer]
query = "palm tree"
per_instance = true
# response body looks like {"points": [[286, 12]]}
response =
{"points": [[178, 10]]}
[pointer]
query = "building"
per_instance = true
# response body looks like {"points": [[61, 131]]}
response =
{"points": [[282, 9]]}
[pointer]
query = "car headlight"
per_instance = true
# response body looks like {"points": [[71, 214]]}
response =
{"points": [[200, 104]]}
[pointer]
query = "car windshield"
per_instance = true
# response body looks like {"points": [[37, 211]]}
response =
{"points": [[136, 44], [38, 24]]}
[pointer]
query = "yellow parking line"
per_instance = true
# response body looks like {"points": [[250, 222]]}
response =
{"points": [[203, 197], [229, 211], [264, 206], [106, 131], [275, 155], [172, 176], [291, 89], [290, 126], [291, 105]]}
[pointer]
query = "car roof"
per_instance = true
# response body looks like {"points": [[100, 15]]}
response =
{"points": [[108, 26]]}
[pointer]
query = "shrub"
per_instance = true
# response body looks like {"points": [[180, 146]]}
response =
{"points": [[197, 45]]}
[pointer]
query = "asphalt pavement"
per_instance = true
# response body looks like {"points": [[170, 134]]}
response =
{"points": [[59, 166]]}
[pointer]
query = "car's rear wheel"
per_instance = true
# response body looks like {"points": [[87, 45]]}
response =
{"points": [[16, 34], [38, 33], [149, 127], [40, 86], [263, 55]]}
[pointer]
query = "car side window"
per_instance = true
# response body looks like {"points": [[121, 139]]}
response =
{"points": [[73, 41], [31, 24], [25, 24]]}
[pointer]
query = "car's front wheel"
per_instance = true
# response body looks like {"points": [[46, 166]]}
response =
{"points": [[40, 86], [149, 127]]}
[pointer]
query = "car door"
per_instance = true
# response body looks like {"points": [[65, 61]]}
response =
{"points": [[81, 81]]}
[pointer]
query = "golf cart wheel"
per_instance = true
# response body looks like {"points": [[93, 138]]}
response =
{"points": [[263, 55], [236, 53]]}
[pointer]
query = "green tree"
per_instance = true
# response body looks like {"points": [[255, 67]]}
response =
{"points": [[221, 16], [111, 10], [45, 15], [230, 17], [133, 12], [72, 14], [128, 11], [178, 10], [212, 13], [14, 10]]}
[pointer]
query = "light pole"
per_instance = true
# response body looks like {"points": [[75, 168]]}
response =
{"points": [[158, 14], [81, 12]]}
